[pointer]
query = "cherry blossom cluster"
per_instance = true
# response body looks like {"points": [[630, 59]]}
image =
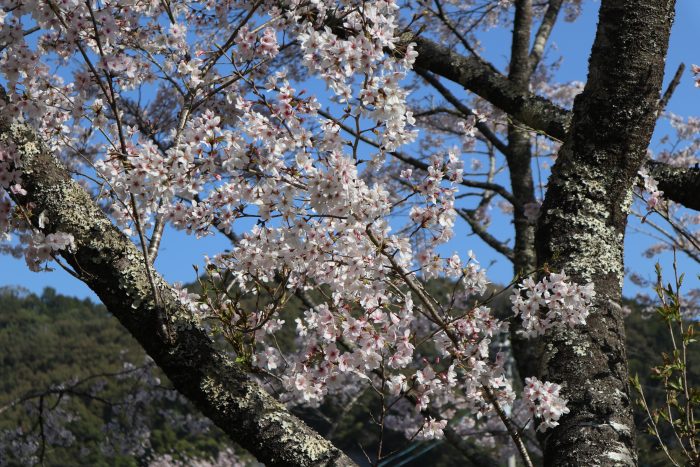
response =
{"points": [[382, 350], [10, 182], [651, 188], [10, 175], [544, 402], [432, 429], [42, 247], [232, 135], [145, 180], [339, 346], [356, 67], [438, 212], [552, 301], [684, 147], [250, 44]]}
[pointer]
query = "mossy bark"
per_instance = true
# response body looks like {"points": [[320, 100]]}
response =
{"points": [[111, 265], [582, 228]]}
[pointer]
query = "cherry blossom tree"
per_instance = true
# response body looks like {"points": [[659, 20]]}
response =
{"points": [[342, 129]]}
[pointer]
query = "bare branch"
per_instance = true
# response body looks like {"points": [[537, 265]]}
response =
{"points": [[466, 111], [482, 233], [519, 69], [422, 165], [671, 88], [543, 32], [156, 237]]}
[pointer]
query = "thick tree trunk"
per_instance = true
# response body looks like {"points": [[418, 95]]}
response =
{"points": [[111, 265], [583, 223]]}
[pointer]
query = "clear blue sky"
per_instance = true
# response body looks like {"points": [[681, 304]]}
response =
{"points": [[573, 41]]}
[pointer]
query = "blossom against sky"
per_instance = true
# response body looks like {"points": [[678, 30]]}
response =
{"points": [[570, 41]]}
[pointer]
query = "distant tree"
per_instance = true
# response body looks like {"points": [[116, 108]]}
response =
{"points": [[121, 117]]}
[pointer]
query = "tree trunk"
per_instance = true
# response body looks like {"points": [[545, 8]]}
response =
{"points": [[582, 228], [111, 265], [519, 158]]}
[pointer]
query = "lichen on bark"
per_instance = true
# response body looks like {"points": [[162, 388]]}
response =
{"points": [[112, 266], [581, 229]]}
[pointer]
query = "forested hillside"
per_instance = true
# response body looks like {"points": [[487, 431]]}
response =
{"points": [[95, 381], [92, 378]]}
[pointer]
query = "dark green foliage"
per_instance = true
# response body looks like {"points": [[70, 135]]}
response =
{"points": [[52, 339], [647, 337]]}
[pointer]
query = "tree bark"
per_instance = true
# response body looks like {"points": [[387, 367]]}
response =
{"points": [[519, 159], [484, 80], [582, 227], [487, 82], [111, 265], [679, 184]]}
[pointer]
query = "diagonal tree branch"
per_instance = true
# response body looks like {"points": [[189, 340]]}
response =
{"points": [[481, 232], [111, 265], [483, 79], [463, 109], [675, 81], [536, 112], [679, 184]]}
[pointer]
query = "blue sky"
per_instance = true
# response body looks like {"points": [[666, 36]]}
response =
{"points": [[573, 42]]}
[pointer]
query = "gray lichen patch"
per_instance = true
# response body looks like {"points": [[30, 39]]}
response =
{"points": [[582, 349], [216, 393], [285, 437], [620, 428], [308, 448], [620, 456], [115, 269], [588, 243]]}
